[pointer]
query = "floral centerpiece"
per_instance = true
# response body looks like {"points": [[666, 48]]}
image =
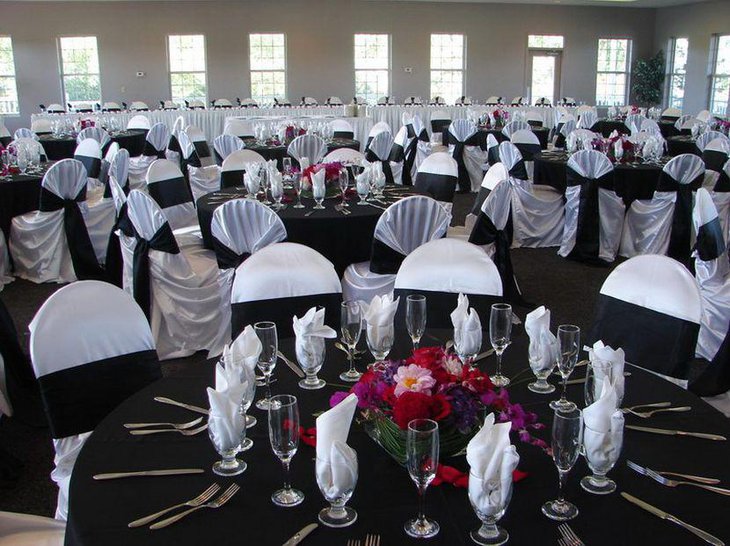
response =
{"points": [[723, 126], [432, 384], [331, 177], [500, 117], [627, 146], [291, 132]]}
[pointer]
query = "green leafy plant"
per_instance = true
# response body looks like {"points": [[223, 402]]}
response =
{"points": [[648, 79]]}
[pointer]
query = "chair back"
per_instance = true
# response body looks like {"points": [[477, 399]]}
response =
{"points": [[139, 122], [437, 177], [310, 146], [224, 145], [88, 152], [97, 133], [513, 126], [238, 127], [342, 129]]}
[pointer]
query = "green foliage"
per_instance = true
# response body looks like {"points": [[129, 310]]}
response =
{"points": [[648, 79]]}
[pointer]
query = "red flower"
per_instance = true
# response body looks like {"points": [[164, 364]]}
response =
{"points": [[416, 405], [432, 359], [476, 381]]}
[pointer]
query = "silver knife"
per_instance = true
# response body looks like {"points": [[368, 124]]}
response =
{"points": [[482, 356], [197, 409], [669, 432], [296, 369], [707, 537], [301, 535], [172, 472]]}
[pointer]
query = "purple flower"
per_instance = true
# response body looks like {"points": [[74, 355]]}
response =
{"points": [[465, 408], [338, 397]]}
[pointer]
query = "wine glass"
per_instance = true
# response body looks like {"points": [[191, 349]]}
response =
{"points": [[22, 159], [277, 194], [380, 340], [296, 179], [336, 515], [500, 331], [568, 348], [601, 460], [566, 445], [416, 317], [351, 328], [310, 357], [267, 359], [542, 368], [490, 499], [344, 181], [284, 438], [422, 452]]}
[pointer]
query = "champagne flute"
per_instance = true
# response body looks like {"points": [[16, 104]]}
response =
{"points": [[500, 331], [296, 180], [267, 359], [422, 452], [284, 438], [566, 445], [351, 328], [416, 317], [318, 192], [568, 348], [344, 182]]}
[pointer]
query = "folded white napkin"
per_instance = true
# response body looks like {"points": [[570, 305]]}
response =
{"points": [[618, 149], [337, 475], [467, 328], [543, 347], [491, 457], [362, 182], [309, 332], [604, 426], [571, 142], [318, 186], [617, 359], [251, 182], [245, 349], [334, 425], [379, 317], [225, 421], [272, 166], [277, 185]]}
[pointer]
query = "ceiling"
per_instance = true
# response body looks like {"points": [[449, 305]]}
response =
{"points": [[604, 3]]}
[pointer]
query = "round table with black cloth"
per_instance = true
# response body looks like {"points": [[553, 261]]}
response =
{"points": [[631, 180], [682, 144], [668, 129], [64, 147], [18, 195], [4, 141], [279, 152], [542, 134], [385, 496], [608, 126]]}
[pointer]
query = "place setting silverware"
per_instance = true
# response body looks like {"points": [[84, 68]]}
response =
{"points": [[656, 476], [670, 432], [293, 367], [204, 497], [568, 536], [180, 426], [582, 380], [147, 473], [184, 432], [217, 503], [647, 414], [171, 402], [301, 534]]}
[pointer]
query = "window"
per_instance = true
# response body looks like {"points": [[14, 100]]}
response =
{"points": [[80, 69], [267, 55], [8, 88], [676, 71], [186, 55], [447, 66], [612, 72], [544, 42], [372, 66], [720, 75]]}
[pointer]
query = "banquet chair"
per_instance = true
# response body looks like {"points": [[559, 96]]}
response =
{"points": [[97, 133], [139, 122], [517, 101], [385, 101], [169, 105], [563, 130], [175, 282], [309, 101], [496, 173], [5, 268], [705, 138], [440, 121], [41, 126], [91, 348], [156, 142], [528, 144], [333, 101], [114, 264], [221, 103], [594, 214], [31, 145], [493, 100], [704, 116], [27, 529], [24, 132], [310, 146], [280, 281], [437, 177], [685, 123], [587, 119], [63, 240], [194, 104], [461, 268], [344, 155], [652, 127], [671, 114], [172, 151], [517, 125], [663, 224], [379, 151], [238, 127], [633, 122], [55, 108], [168, 187], [713, 384], [535, 119], [88, 152], [111, 106], [650, 306], [197, 137], [249, 103], [492, 149], [714, 153], [437, 101], [225, 145], [119, 169], [234, 167], [342, 129], [465, 148], [138, 106], [403, 227], [418, 148], [281, 101]]}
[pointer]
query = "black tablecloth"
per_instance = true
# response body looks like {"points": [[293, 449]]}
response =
{"points": [[682, 144], [668, 129], [542, 134], [279, 152], [63, 147], [385, 497], [608, 126], [632, 181], [19, 195]]}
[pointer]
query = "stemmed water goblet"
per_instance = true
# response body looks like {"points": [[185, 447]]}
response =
{"points": [[542, 368], [600, 460], [568, 349], [566, 446], [499, 492], [266, 331], [336, 515], [277, 194], [363, 190], [500, 332], [296, 180], [284, 438], [311, 358], [380, 340], [318, 192], [422, 459], [351, 328], [416, 317]]}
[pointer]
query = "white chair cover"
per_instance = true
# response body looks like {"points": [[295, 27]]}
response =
{"points": [[686, 123], [139, 122], [168, 187], [119, 169], [670, 113], [24, 132], [138, 106], [30, 530], [238, 127], [440, 120], [652, 127], [379, 151], [97, 133], [464, 148], [496, 174], [704, 116], [344, 155], [41, 126], [249, 103], [376, 129], [587, 119], [310, 146], [633, 122], [342, 129], [705, 138], [528, 144], [5, 276], [55, 108], [234, 167], [200, 142], [437, 177], [224, 145], [88, 151], [513, 126], [403, 227], [156, 143]]}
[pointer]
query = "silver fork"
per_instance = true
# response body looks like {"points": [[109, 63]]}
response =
{"points": [[180, 426], [186, 432], [674, 483], [372, 540], [569, 535], [563, 542], [646, 414], [353, 542], [217, 503], [205, 496]]}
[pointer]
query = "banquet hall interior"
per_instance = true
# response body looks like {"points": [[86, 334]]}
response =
{"points": [[364, 272]]}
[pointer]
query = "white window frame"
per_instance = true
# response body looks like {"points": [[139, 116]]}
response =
{"points": [[266, 98], [713, 75], [365, 71], [462, 70], [626, 72], [672, 72], [64, 74], [12, 83], [170, 71]]}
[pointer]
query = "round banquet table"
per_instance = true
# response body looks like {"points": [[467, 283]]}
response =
{"points": [[631, 180], [668, 129], [542, 134], [342, 239], [385, 497], [682, 144], [63, 147], [608, 126], [20, 194], [278, 152]]}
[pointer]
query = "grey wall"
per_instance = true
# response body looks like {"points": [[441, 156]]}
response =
{"points": [[697, 23], [132, 37]]}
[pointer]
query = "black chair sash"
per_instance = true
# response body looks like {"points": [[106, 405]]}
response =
{"points": [[440, 305], [411, 152], [229, 179], [397, 153], [226, 257], [82, 251], [387, 171], [92, 165], [680, 238], [710, 242], [714, 160], [528, 151], [715, 379], [170, 192], [534, 123], [201, 148], [348, 135], [458, 155], [493, 155], [114, 264], [519, 170], [150, 151], [588, 229], [164, 241], [384, 260], [438, 125], [280, 312], [650, 339], [723, 182], [439, 186], [476, 209], [174, 145], [78, 398]]}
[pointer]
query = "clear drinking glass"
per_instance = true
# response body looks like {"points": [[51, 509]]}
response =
{"points": [[311, 359], [351, 328], [416, 317], [380, 340], [265, 185], [229, 465], [267, 359], [597, 373], [318, 192], [422, 451], [489, 510], [542, 368], [363, 189], [600, 460], [336, 514], [284, 438], [286, 166], [22, 160], [500, 332], [566, 446], [568, 349], [344, 182], [296, 180], [277, 194]]}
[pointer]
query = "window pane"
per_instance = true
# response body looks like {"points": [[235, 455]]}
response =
{"points": [[371, 84], [80, 69], [267, 51], [681, 48], [546, 42], [80, 88], [371, 51], [611, 89], [720, 95], [613, 55], [8, 88], [722, 65], [187, 53], [265, 85], [447, 84], [676, 94], [447, 51]]}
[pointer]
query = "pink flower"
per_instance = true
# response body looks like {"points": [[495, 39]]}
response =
{"points": [[413, 378]]}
